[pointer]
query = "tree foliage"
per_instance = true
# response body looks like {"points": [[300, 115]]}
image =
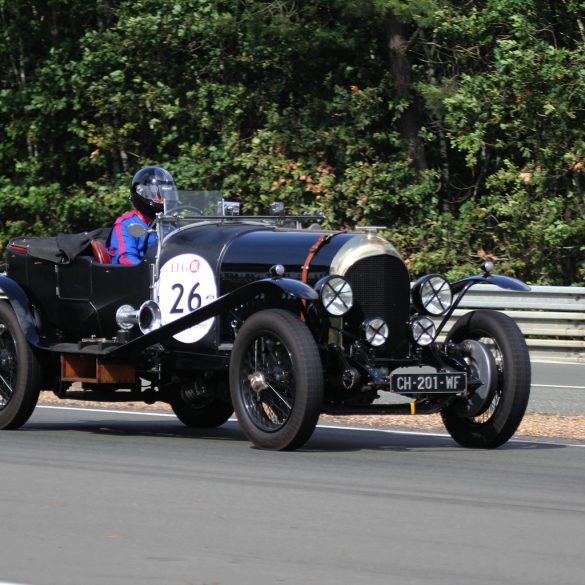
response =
{"points": [[456, 124]]}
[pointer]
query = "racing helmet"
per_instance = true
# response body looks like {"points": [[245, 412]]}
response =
{"points": [[150, 187]]}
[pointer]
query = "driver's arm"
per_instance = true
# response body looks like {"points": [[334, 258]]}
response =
{"points": [[127, 249]]}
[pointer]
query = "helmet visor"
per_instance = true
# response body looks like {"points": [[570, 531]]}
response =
{"points": [[158, 191]]}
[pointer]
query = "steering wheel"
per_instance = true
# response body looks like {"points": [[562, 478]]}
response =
{"points": [[176, 210]]}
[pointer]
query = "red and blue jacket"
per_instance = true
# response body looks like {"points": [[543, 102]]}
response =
{"points": [[123, 247]]}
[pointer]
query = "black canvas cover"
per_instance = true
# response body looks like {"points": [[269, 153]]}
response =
{"points": [[63, 248]]}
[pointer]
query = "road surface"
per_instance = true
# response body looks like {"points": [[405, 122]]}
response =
{"points": [[98, 498]]}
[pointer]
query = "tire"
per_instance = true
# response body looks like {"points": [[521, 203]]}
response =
{"points": [[276, 380], [197, 408], [20, 372], [505, 404]]}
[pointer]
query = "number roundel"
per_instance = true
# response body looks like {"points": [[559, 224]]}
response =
{"points": [[186, 282]]}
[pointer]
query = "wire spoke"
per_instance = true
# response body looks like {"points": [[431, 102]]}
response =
{"points": [[267, 383], [279, 396], [5, 395]]}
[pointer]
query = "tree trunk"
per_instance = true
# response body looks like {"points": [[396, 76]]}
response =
{"points": [[409, 122]]}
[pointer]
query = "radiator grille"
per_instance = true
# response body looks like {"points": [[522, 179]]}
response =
{"points": [[381, 287]]}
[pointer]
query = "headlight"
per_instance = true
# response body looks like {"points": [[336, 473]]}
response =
{"points": [[422, 330], [375, 331], [126, 317], [432, 294], [335, 294]]}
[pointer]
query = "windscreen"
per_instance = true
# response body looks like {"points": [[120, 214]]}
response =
{"points": [[194, 204]]}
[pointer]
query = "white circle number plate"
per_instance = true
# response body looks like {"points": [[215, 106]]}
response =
{"points": [[186, 283]]}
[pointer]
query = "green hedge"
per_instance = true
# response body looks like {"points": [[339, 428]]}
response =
{"points": [[458, 125]]}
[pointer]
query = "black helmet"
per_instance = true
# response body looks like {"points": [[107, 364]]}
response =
{"points": [[150, 187]]}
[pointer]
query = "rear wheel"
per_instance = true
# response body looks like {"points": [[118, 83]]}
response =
{"points": [[20, 372], [494, 348], [276, 380], [197, 404]]}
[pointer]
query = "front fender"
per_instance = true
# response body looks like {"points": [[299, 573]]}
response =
{"points": [[295, 288], [21, 306], [462, 286], [505, 282], [223, 303]]}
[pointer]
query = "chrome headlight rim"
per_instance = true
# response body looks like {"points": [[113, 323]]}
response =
{"points": [[126, 317], [375, 331], [423, 331], [335, 294], [432, 295]]}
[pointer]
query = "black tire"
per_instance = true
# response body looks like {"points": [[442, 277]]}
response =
{"points": [[506, 404], [196, 407], [20, 372], [276, 380]]}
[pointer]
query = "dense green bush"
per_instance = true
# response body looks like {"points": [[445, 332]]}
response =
{"points": [[458, 125]]}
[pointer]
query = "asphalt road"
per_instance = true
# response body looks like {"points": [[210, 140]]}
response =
{"points": [[96, 497], [557, 388]]}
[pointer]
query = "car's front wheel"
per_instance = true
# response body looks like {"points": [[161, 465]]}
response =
{"points": [[495, 351], [20, 372], [276, 380]]}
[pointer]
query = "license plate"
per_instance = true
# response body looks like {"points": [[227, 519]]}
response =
{"points": [[452, 382]]}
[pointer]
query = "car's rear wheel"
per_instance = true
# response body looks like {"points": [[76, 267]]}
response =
{"points": [[276, 380], [20, 372], [197, 405], [496, 353]]}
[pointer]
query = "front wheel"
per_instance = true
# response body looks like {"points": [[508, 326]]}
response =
{"points": [[276, 380], [495, 351], [20, 372]]}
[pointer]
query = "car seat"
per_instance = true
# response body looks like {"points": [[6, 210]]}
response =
{"points": [[99, 252]]}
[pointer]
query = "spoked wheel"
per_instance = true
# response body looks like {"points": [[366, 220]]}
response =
{"points": [[494, 348], [20, 372], [198, 405], [276, 380]]}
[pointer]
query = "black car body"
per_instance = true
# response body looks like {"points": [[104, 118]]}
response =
{"points": [[260, 315]]}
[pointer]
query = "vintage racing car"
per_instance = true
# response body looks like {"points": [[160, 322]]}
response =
{"points": [[261, 315]]}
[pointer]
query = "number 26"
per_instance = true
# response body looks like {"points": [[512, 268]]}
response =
{"points": [[193, 300]]}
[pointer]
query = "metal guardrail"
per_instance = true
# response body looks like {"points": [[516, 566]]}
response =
{"points": [[552, 318]]}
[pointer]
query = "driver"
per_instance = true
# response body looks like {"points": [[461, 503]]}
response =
{"points": [[150, 187]]}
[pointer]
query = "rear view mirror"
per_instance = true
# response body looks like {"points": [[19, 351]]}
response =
{"points": [[136, 230]]}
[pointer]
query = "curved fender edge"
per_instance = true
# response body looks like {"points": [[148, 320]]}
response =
{"points": [[227, 301], [20, 303], [505, 282], [295, 287], [508, 282]]}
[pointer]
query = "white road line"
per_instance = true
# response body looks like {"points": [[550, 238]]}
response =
{"points": [[443, 435], [334, 427], [557, 363], [557, 386], [109, 411]]}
